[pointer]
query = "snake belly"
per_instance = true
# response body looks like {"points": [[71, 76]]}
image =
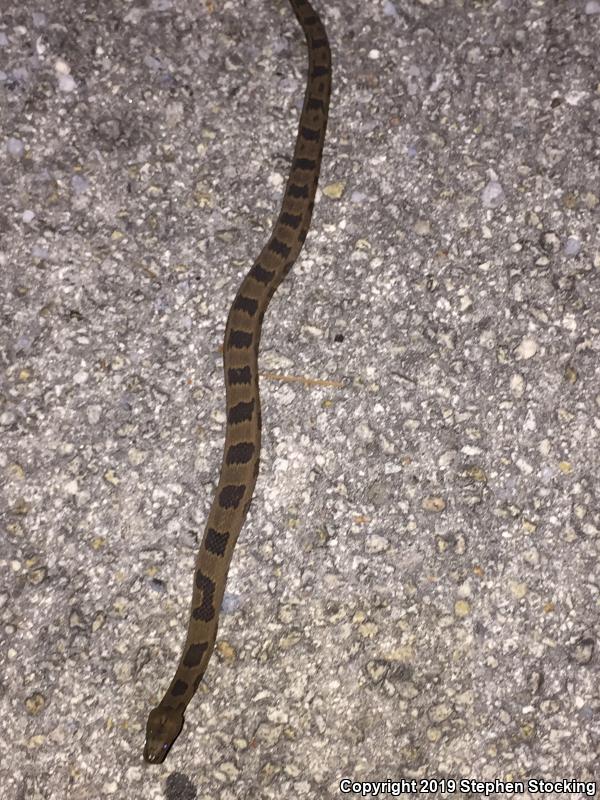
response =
{"points": [[239, 468]]}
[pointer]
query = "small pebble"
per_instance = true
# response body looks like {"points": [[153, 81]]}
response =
{"points": [[527, 349], [66, 83], [14, 147], [492, 195]]}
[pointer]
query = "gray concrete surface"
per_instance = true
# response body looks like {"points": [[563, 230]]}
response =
{"points": [[416, 592]]}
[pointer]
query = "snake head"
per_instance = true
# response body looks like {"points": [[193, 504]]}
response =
{"points": [[163, 727]]}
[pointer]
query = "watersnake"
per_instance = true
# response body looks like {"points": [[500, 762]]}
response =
{"points": [[239, 468]]}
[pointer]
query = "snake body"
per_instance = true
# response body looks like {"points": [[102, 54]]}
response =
{"points": [[239, 468]]}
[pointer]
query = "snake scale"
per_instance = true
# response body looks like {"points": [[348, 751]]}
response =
{"points": [[239, 468]]}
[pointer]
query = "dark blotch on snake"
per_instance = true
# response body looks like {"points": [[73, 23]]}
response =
{"points": [[241, 412], [240, 339], [309, 134], [261, 274], [194, 654], [239, 376], [231, 496], [279, 247], [291, 220], [205, 584], [305, 163], [216, 542], [298, 191], [247, 304], [205, 611], [179, 688], [240, 453]]}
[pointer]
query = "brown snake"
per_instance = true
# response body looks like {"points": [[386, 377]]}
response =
{"points": [[239, 468]]}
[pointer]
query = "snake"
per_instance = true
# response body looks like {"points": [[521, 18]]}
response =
{"points": [[241, 454]]}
